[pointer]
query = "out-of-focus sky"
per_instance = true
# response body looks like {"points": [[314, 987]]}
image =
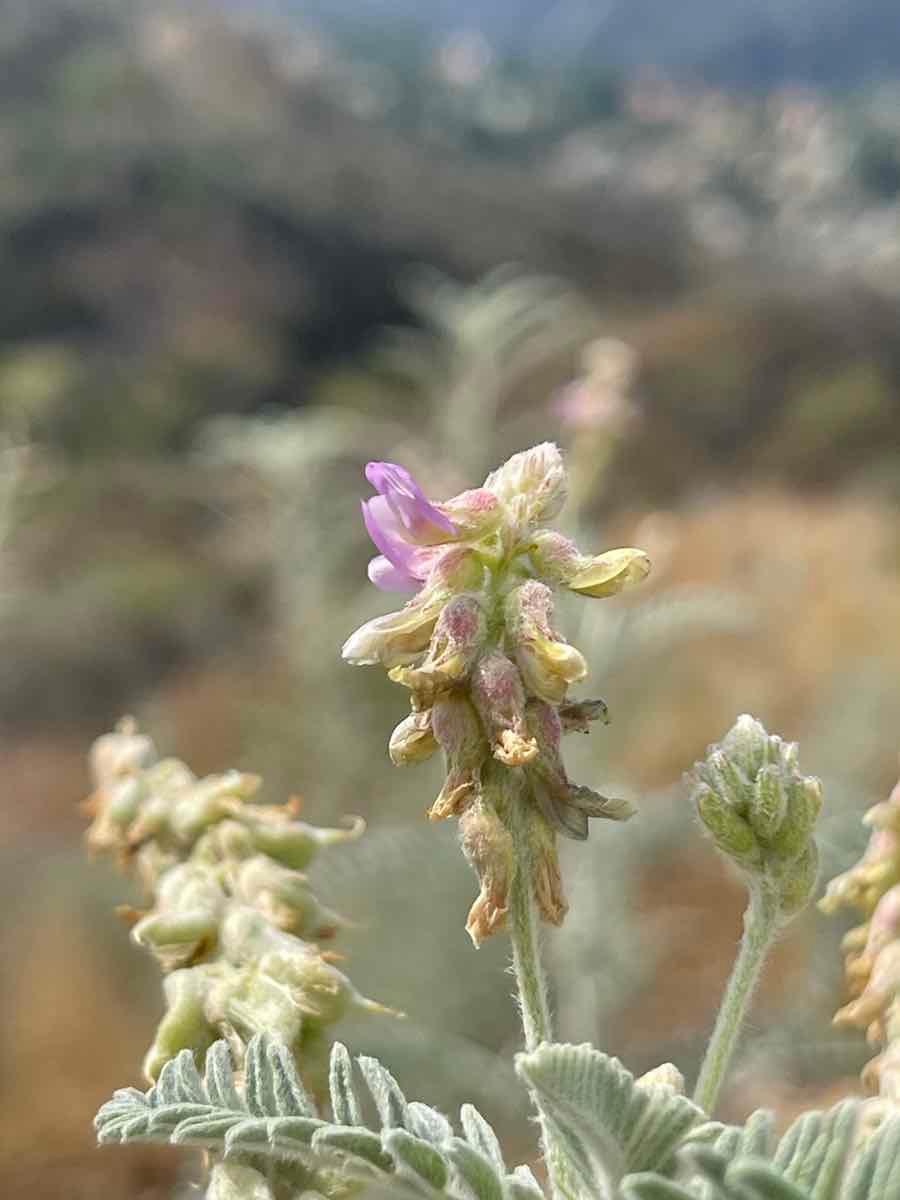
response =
{"points": [[754, 42]]}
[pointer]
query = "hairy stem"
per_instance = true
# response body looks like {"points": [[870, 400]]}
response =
{"points": [[527, 966], [531, 985], [760, 925]]}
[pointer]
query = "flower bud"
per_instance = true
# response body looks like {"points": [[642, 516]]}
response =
{"points": [[666, 1075], [882, 987], [284, 897], [293, 843], [164, 784], [149, 863], [884, 927], [413, 739], [500, 700], [799, 885], [547, 662], [229, 839], [209, 800], [804, 803], [732, 834], [728, 781], [610, 573], [232, 1181], [291, 969], [185, 919], [872, 949], [768, 809], [488, 846], [185, 1025], [885, 815], [556, 559], [247, 1001], [456, 569], [120, 753], [864, 884], [476, 513], [321, 992], [397, 637], [532, 483], [455, 645], [748, 744], [115, 809], [458, 732]]}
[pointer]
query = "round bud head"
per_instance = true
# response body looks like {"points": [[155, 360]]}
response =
{"points": [[761, 811]]}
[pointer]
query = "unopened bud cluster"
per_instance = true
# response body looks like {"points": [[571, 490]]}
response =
{"points": [[487, 670], [761, 812], [230, 917], [872, 949]]}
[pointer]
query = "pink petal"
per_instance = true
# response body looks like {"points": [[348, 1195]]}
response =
{"points": [[389, 578], [422, 522], [382, 529]]}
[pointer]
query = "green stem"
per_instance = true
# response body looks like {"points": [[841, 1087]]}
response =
{"points": [[527, 966], [531, 983], [760, 927]]}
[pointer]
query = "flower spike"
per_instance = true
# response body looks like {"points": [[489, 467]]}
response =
{"points": [[488, 671]]}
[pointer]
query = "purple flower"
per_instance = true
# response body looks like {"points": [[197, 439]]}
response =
{"points": [[404, 526]]}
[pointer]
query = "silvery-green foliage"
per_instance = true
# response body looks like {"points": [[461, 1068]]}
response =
{"points": [[822, 1156], [609, 1124], [268, 1117], [626, 1139]]}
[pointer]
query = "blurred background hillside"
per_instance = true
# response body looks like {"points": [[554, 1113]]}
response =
{"points": [[244, 248]]}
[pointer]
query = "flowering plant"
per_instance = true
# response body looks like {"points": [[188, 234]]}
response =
{"points": [[242, 1065]]}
